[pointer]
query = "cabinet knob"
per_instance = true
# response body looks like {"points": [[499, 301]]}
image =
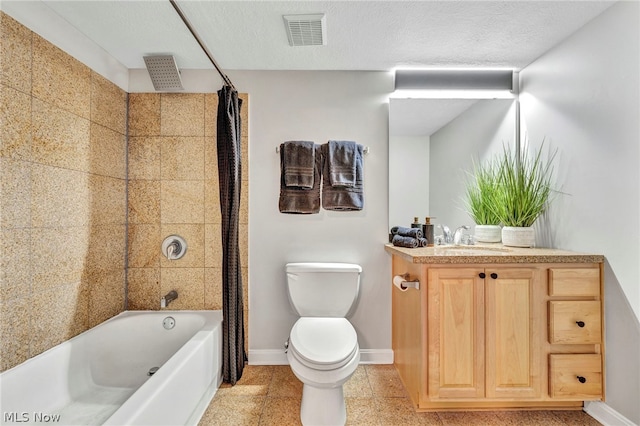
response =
{"points": [[494, 275], [482, 275], [581, 379], [580, 323]]}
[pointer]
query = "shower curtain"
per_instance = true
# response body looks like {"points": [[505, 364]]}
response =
{"points": [[229, 175]]}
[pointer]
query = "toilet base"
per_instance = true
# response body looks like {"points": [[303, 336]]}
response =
{"points": [[322, 406]]}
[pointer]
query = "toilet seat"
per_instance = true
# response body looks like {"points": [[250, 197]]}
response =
{"points": [[323, 343]]}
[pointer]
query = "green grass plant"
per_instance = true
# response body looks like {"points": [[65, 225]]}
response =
{"points": [[525, 186], [482, 193]]}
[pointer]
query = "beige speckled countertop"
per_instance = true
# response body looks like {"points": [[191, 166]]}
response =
{"points": [[490, 253]]}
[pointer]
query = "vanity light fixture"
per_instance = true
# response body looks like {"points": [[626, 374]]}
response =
{"points": [[455, 83]]}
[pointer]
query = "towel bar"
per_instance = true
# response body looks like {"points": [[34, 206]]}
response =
{"points": [[365, 149]]}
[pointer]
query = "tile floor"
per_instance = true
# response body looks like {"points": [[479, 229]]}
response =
{"points": [[270, 396]]}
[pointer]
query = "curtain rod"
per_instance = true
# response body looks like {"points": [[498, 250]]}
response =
{"points": [[204, 48]]}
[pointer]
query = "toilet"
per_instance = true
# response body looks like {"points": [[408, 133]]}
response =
{"points": [[323, 347]]}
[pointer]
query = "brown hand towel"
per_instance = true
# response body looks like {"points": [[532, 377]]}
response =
{"points": [[297, 200], [298, 163]]}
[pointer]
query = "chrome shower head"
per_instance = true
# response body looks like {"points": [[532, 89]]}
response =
{"points": [[164, 72]]}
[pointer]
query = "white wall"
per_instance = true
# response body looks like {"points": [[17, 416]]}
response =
{"points": [[409, 178], [316, 106], [478, 133], [583, 97]]}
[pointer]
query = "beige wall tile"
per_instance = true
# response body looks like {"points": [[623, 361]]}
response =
{"points": [[106, 296], [193, 234], [59, 197], [213, 245], [144, 114], [188, 282], [108, 150], [60, 79], [210, 159], [213, 288], [182, 201], [105, 251], [143, 288], [15, 264], [144, 246], [108, 200], [15, 51], [144, 158], [182, 158], [182, 114], [60, 138], [212, 212], [144, 201], [15, 124], [15, 193], [108, 104], [211, 115], [15, 332], [58, 256]]}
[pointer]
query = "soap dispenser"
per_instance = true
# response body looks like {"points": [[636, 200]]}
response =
{"points": [[427, 231], [416, 223]]}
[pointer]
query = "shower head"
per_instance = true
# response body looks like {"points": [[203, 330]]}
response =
{"points": [[164, 72]]}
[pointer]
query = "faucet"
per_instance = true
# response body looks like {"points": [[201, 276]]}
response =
{"points": [[168, 298], [447, 236], [457, 236]]}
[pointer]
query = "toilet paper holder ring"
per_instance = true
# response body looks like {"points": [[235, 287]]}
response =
{"points": [[406, 283]]}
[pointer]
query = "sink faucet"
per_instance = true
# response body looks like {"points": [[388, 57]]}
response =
{"points": [[446, 233], [457, 236], [168, 298]]}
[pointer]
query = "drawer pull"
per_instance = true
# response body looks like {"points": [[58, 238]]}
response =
{"points": [[494, 275], [581, 379], [482, 275], [580, 323]]}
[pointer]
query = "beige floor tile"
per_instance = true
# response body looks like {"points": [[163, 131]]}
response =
{"points": [[576, 418], [284, 383], [361, 412], [281, 412], [396, 411], [529, 418], [255, 380], [358, 384], [385, 381], [233, 410]]}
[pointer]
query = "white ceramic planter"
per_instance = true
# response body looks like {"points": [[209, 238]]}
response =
{"points": [[518, 236], [488, 233]]}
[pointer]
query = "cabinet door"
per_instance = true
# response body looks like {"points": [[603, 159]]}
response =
{"points": [[513, 332], [455, 333]]}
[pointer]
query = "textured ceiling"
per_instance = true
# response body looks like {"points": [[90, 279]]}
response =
{"points": [[362, 35]]}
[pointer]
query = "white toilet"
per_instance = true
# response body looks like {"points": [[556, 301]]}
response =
{"points": [[323, 347]]}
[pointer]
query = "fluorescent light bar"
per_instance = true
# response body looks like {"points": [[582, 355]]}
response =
{"points": [[434, 79]]}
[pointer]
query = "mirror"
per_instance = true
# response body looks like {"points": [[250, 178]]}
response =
{"points": [[432, 143]]}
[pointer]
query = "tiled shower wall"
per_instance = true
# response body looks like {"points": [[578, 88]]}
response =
{"points": [[173, 189], [62, 195]]}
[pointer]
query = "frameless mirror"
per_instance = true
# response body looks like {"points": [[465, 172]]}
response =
{"points": [[432, 144]]}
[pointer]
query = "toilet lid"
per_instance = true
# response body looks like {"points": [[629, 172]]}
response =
{"points": [[323, 341]]}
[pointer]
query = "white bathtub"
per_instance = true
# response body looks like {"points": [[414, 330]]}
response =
{"points": [[101, 376]]}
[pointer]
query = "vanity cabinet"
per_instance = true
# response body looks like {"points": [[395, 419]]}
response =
{"points": [[499, 335]]}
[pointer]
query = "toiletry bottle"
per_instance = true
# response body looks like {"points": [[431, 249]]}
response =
{"points": [[416, 223], [427, 231]]}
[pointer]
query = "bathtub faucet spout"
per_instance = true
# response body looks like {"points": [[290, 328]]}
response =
{"points": [[168, 298]]}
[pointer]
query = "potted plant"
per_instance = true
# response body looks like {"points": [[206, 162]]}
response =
{"points": [[525, 190], [481, 196]]}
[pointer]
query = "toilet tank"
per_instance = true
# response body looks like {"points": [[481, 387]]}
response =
{"points": [[323, 289]]}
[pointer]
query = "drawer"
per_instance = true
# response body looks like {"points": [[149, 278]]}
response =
{"points": [[575, 376], [575, 322], [574, 282]]}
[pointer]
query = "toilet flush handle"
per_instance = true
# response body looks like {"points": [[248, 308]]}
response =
{"points": [[286, 346]]}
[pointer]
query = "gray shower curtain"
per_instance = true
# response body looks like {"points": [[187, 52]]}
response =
{"points": [[229, 174]]}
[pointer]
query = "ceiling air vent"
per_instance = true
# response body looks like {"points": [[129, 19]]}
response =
{"points": [[306, 30], [164, 73]]}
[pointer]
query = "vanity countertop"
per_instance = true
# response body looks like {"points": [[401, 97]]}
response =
{"points": [[490, 253]]}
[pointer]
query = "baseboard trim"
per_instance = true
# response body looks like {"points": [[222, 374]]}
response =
{"points": [[279, 357], [606, 415]]}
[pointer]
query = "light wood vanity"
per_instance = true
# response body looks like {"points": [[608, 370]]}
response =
{"points": [[498, 328]]}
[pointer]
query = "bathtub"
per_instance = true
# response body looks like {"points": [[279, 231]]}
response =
{"points": [[105, 376]]}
